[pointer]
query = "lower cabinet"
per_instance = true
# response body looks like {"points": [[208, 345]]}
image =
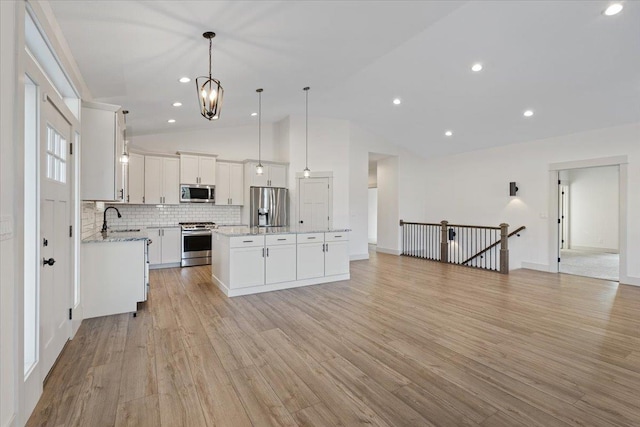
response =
{"points": [[280, 259], [262, 260], [322, 254], [113, 277], [165, 247]]}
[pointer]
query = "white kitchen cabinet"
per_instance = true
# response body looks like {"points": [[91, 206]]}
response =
{"points": [[310, 260], [165, 246], [336, 255], [274, 175], [229, 183], [246, 262], [102, 174], [135, 179], [280, 263], [197, 169], [113, 277], [161, 180]]}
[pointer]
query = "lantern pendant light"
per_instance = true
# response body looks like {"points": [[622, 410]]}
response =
{"points": [[307, 171], [259, 167], [209, 89], [124, 158]]}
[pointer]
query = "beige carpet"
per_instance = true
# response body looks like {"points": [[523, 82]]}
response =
{"points": [[600, 265]]}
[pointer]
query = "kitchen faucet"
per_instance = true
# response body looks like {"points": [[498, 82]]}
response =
{"points": [[104, 222]]}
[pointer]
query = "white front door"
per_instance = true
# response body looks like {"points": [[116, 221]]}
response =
{"points": [[55, 206], [314, 203]]}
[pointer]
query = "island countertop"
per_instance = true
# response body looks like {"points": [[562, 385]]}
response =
{"points": [[257, 231], [117, 236]]}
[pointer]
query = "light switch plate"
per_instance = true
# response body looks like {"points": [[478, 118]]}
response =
{"points": [[6, 227]]}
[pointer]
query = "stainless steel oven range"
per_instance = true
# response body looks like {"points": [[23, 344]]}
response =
{"points": [[196, 243]]}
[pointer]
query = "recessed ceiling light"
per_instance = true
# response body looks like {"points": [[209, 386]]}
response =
{"points": [[448, 133], [177, 104], [528, 113], [254, 114], [184, 80], [476, 67], [171, 121], [397, 101], [613, 9]]}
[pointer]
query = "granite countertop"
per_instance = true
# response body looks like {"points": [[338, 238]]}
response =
{"points": [[254, 231], [129, 235]]}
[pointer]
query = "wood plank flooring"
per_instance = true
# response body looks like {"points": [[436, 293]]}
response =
{"points": [[405, 342]]}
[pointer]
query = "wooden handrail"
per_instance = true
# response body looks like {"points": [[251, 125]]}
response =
{"points": [[493, 245], [481, 227]]}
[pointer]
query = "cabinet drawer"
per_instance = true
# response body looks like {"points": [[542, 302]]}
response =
{"points": [[281, 239], [310, 237], [336, 237], [246, 241]]}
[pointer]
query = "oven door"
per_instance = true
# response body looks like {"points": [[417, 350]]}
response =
{"points": [[196, 244]]}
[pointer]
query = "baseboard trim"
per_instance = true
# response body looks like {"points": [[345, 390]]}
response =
{"points": [[632, 281], [358, 257], [388, 251], [595, 250], [277, 286], [535, 266]]}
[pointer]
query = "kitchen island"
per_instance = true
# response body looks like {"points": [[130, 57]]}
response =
{"points": [[253, 260]]}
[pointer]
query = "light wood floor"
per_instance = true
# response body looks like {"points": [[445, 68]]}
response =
{"points": [[405, 342]]}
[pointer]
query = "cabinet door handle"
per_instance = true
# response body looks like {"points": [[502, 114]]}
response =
{"points": [[323, 247], [262, 252], [267, 251], [327, 245], [159, 232], [247, 241], [281, 239]]}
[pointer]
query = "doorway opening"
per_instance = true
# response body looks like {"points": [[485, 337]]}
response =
{"points": [[588, 222]]}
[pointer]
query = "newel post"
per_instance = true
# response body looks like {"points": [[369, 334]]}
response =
{"points": [[504, 248], [444, 242]]}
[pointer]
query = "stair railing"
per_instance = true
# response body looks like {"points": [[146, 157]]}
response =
{"points": [[485, 247]]}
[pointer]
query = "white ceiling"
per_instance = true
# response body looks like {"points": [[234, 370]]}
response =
{"points": [[576, 68]]}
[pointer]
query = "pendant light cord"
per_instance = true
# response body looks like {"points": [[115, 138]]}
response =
{"points": [[259, 126], [210, 45], [306, 137]]}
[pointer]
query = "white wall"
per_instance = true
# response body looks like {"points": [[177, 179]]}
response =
{"points": [[593, 208], [472, 188], [373, 216], [388, 205], [9, 243], [229, 143]]}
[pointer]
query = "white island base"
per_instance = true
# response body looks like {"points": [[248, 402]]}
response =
{"points": [[244, 264]]}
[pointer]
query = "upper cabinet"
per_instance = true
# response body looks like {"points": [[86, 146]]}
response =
{"points": [[135, 179], [197, 169], [161, 180], [102, 176], [229, 183], [274, 175]]}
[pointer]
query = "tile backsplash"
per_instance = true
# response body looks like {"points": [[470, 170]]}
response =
{"points": [[140, 216]]}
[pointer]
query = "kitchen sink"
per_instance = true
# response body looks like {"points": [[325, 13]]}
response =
{"points": [[125, 230]]}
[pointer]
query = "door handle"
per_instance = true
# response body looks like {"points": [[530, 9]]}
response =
{"points": [[49, 261], [301, 221]]}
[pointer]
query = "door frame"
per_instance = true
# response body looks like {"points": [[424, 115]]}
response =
{"points": [[300, 177], [554, 177], [30, 386]]}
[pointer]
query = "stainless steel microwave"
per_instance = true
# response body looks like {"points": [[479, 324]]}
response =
{"points": [[197, 193]]}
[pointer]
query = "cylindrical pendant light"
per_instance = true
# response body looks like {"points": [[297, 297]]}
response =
{"points": [[209, 89], [124, 158], [307, 171], [259, 167]]}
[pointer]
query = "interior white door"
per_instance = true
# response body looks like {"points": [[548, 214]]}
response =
{"points": [[56, 288], [314, 203]]}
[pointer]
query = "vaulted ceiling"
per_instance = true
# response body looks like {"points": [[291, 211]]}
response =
{"points": [[574, 67]]}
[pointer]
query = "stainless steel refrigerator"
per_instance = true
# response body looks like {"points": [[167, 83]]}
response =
{"points": [[269, 207]]}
